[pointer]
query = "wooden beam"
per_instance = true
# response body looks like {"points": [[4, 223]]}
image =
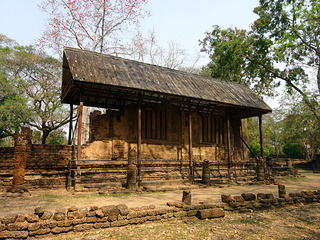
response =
{"points": [[139, 141], [80, 111], [229, 145], [190, 142], [261, 137], [70, 125]]}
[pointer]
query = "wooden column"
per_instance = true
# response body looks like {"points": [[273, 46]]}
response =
{"points": [[139, 141], [261, 137], [190, 142], [70, 125], [80, 112], [229, 144]]}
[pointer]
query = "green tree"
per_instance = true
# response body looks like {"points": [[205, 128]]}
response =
{"points": [[40, 81], [281, 46], [33, 80], [300, 127], [14, 111]]}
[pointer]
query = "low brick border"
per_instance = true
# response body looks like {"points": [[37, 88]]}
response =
{"points": [[43, 223]]}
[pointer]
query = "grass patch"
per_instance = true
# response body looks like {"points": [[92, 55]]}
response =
{"points": [[293, 179]]}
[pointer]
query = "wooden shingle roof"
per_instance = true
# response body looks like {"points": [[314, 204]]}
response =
{"points": [[105, 70]]}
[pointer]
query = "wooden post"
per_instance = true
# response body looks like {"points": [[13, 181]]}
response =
{"points": [[261, 137], [190, 142], [139, 142], [70, 125], [80, 111], [229, 144]]}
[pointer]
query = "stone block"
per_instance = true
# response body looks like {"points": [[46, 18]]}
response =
{"points": [[103, 219], [235, 204], [21, 218], [175, 204], [99, 213], [269, 196], [101, 225], [39, 211], [124, 210], [59, 215], [78, 221], [132, 214], [186, 197], [238, 199], [261, 196], [83, 227], [93, 208], [11, 218], [248, 196], [111, 212], [134, 220], [3, 227], [282, 191], [91, 219], [72, 209], [17, 226], [226, 198], [180, 214], [119, 223], [83, 212], [192, 213], [46, 215], [34, 226], [91, 214], [73, 215], [66, 223], [58, 230], [142, 214], [14, 234], [48, 224], [151, 218], [40, 232], [210, 213], [31, 218]]}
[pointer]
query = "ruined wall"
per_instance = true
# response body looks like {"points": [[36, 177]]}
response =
{"points": [[113, 135], [6, 167], [46, 167]]}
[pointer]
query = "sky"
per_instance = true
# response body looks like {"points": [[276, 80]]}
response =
{"points": [[182, 21]]}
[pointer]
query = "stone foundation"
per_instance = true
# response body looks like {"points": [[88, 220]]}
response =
{"points": [[43, 223]]}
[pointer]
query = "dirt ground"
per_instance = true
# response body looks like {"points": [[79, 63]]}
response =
{"points": [[292, 223], [53, 199]]}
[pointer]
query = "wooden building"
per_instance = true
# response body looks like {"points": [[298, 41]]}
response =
{"points": [[156, 113]]}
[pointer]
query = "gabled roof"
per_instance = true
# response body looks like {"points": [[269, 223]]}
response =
{"points": [[91, 68]]}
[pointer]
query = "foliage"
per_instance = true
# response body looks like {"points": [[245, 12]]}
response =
{"points": [[282, 45], [291, 125], [56, 137], [300, 126], [255, 148], [14, 111], [30, 90], [293, 150], [40, 81], [93, 25]]}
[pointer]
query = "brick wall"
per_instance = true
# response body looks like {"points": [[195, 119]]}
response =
{"points": [[6, 167], [46, 167]]}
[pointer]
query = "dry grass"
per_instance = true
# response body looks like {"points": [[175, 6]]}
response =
{"points": [[296, 222]]}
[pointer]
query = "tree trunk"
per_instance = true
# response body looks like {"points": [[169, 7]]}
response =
{"points": [[45, 134], [318, 77]]}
